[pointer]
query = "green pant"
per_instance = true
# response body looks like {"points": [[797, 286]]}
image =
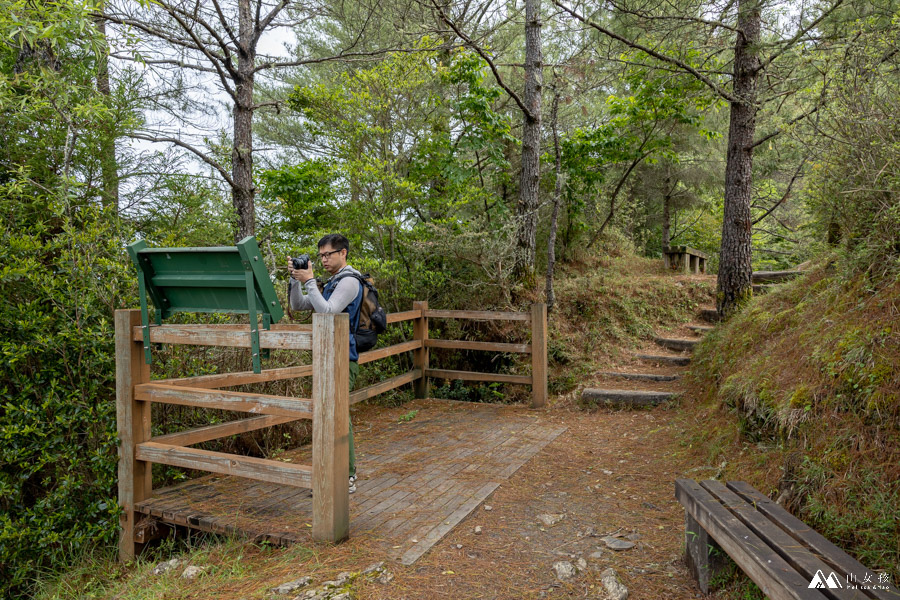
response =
{"points": [[354, 371]]}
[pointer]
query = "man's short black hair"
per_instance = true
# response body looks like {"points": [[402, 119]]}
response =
{"points": [[337, 241]]}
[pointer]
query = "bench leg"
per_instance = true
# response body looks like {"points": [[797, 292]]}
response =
{"points": [[702, 555]]}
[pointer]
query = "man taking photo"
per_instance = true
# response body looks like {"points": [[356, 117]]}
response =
{"points": [[342, 293]]}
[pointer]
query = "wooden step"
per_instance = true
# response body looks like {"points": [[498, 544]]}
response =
{"points": [[591, 396], [700, 328], [678, 345], [679, 361], [640, 376], [709, 315], [774, 276]]}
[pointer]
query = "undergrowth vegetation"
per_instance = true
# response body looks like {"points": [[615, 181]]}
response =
{"points": [[810, 374]]}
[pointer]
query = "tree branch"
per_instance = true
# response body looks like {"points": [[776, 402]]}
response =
{"points": [[225, 23], [788, 44], [224, 59], [483, 54], [186, 146], [658, 55], [780, 130], [261, 25], [786, 194], [342, 56]]}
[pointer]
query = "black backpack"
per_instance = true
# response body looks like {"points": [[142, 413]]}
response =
{"points": [[372, 318]]}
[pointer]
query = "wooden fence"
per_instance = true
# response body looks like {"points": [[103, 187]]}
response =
{"points": [[328, 408]]}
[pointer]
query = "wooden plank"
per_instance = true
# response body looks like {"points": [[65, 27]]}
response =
{"points": [[408, 315], [215, 335], [384, 386], [331, 391], [437, 533], [798, 555], [539, 355], [250, 467], [831, 554], [775, 577], [479, 315], [220, 380], [371, 355], [421, 356], [474, 376], [213, 432], [485, 346], [132, 427], [285, 406]]}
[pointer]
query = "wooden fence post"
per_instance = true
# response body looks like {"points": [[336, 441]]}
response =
{"points": [[331, 426], [420, 356], [538, 355], [132, 426]]}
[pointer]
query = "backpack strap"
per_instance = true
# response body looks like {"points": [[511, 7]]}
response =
{"points": [[362, 282]]}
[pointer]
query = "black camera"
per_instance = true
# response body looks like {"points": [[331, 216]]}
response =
{"points": [[301, 262]]}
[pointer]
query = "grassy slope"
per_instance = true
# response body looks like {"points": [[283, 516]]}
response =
{"points": [[801, 394], [610, 305]]}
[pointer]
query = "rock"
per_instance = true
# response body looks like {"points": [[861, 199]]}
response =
{"points": [[385, 578], [291, 586], [550, 520], [617, 544], [633, 536], [374, 568], [165, 566], [615, 590], [459, 546], [488, 507], [596, 555], [192, 572], [344, 577], [581, 564], [564, 570], [478, 530], [606, 472]]}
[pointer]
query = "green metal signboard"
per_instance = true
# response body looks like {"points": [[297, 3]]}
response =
{"points": [[226, 279]]}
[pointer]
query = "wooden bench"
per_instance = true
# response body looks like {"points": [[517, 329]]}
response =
{"points": [[781, 554], [685, 258]]}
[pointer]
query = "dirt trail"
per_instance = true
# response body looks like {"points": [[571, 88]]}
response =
{"points": [[611, 473]]}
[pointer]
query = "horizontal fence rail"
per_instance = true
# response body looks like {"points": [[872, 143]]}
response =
{"points": [[225, 335], [478, 315]]}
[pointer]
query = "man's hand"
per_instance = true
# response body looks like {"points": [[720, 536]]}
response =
{"points": [[301, 275]]}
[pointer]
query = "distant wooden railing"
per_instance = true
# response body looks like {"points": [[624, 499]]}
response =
{"points": [[537, 318], [328, 408]]}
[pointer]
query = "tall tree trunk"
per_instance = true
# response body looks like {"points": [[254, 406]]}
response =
{"points": [[109, 168], [527, 208], [242, 154], [666, 216], [557, 195], [735, 268]]}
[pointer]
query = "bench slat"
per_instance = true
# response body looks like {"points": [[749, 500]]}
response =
{"points": [[798, 555], [831, 554], [774, 576]]}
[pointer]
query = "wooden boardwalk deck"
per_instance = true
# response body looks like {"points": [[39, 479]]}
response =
{"points": [[417, 480]]}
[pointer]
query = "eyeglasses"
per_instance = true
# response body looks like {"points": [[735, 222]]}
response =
{"points": [[324, 255]]}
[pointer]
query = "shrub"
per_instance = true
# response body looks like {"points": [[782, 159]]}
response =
{"points": [[61, 278]]}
